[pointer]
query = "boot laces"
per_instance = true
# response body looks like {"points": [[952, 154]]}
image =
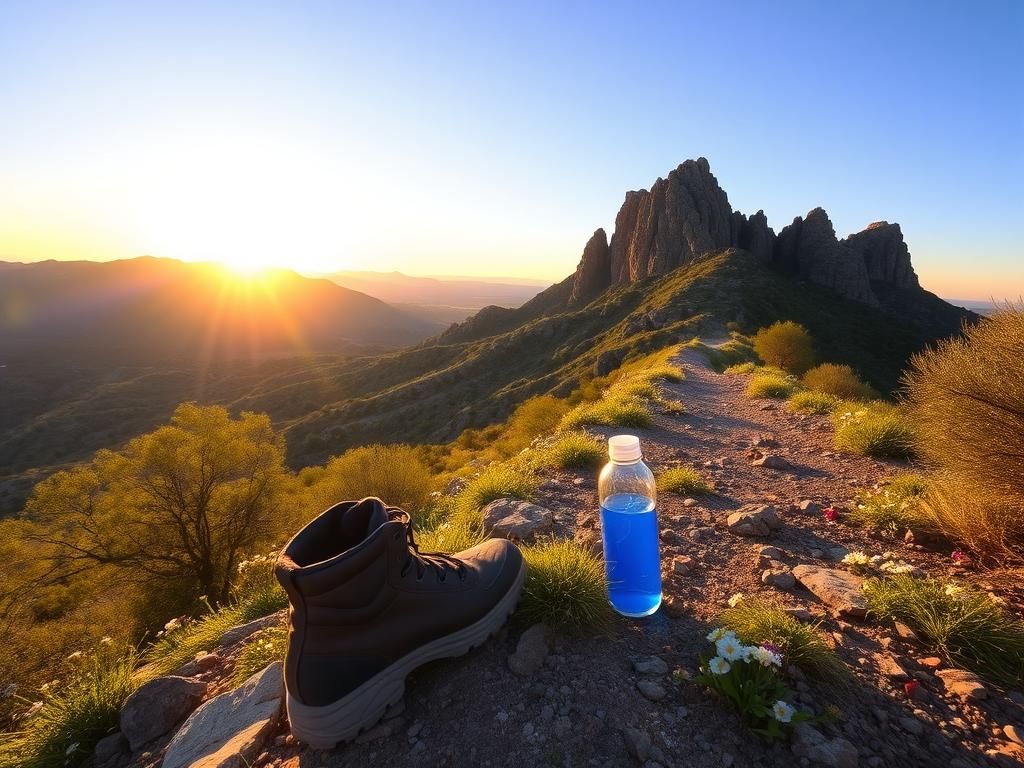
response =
{"points": [[441, 563]]}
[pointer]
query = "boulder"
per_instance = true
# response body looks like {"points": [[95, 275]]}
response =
{"points": [[531, 650], [840, 590], [754, 520], [515, 519], [157, 706], [962, 684], [112, 750], [229, 730], [808, 742]]}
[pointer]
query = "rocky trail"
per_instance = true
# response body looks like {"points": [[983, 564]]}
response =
{"points": [[621, 698]]}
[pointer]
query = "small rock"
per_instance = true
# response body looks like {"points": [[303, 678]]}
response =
{"points": [[651, 690], [207, 661], [652, 666], [754, 520], [771, 553], [809, 507], [1014, 734], [157, 706], [808, 742], [780, 578], [800, 614], [906, 633], [516, 519], [579, 481], [674, 607], [911, 725], [456, 486], [689, 502], [682, 564], [839, 590], [772, 461], [638, 743], [531, 650], [930, 662], [963, 684], [889, 667], [110, 748]]}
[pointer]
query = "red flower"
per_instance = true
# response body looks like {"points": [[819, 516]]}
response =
{"points": [[910, 688], [830, 514], [958, 556]]}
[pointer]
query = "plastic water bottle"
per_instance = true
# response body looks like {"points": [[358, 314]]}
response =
{"points": [[629, 529]]}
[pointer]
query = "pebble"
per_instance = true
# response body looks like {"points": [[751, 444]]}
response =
{"points": [[652, 666], [651, 690]]}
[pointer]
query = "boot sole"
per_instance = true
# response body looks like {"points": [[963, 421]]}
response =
{"points": [[326, 727]]}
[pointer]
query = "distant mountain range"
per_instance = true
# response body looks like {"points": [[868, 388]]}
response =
{"points": [[149, 309], [446, 300]]}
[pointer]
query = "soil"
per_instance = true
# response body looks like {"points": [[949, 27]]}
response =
{"points": [[584, 706]]}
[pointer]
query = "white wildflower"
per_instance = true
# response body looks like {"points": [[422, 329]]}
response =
{"points": [[716, 634], [783, 712], [729, 648], [718, 666]]}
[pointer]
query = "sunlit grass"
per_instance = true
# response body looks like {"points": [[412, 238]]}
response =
{"points": [[685, 481], [565, 586]]}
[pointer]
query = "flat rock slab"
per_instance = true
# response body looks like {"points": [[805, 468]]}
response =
{"points": [[242, 632], [229, 730], [839, 590], [515, 519], [966, 685]]}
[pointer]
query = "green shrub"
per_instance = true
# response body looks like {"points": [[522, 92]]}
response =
{"points": [[741, 369], [266, 648], [565, 587], [762, 385], [736, 351], [759, 620], [181, 645], [813, 402], [969, 627], [509, 479], [682, 480], [876, 429], [573, 450], [966, 397], [537, 416], [75, 715], [395, 473], [612, 411], [787, 345], [839, 380], [893, 508]]}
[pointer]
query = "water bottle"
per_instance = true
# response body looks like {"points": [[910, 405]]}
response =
{"points": [[629, 529]]}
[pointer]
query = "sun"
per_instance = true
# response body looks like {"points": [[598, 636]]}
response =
{"points": [[246, 265]]}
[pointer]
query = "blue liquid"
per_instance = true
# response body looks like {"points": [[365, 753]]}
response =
{"points": [[629, 528]]}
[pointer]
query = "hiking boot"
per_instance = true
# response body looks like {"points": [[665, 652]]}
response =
{"points": [[367, 608]]}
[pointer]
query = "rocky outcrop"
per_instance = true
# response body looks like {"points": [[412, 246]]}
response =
{"points": [[808, 249], [157, 706], [593, 275], [687, 215], [885, 254], [678, 220]]}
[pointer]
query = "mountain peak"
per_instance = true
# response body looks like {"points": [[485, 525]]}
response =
{"points": [[686, 215]]}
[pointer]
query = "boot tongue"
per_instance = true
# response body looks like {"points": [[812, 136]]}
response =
{"points": [[363, 519]]}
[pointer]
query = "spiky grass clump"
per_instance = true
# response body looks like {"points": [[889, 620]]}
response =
{"points": [[813, 402], [895, 507], [966, 397], [573, 450], [181, 645], [266, 648], [685, 481], [509, 479], [875, 429], [741, 369], [74, 716], [611, 410], [759, 620], [565, 586], [768, 385], [968, 626]]}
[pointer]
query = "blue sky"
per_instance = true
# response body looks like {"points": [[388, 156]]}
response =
{"points": [[450, 138]]}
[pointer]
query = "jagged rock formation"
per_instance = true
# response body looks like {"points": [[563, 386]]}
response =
{"points": [[885, 254], [687, 215]]}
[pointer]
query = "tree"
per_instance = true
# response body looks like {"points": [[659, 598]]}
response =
{"points": [[786, 345], [182, 503]]}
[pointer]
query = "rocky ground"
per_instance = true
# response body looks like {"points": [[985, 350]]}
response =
{"points": [[621, 697]]}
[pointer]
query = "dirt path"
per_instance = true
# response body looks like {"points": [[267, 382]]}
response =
{"points": [[585, 707]]}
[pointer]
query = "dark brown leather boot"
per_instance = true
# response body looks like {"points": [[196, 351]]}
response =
{"points": [[367, 608]]}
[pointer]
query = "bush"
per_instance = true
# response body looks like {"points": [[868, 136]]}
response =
{"points": [[534, 417], [509, 479], [878, 429], [839, 380], [612, 411], [758, 620], [969, 627], [682, 480], [966, 397], [267, 647], [75, 715], [786, 345], [893, 508], [767, 385], [573, 450], [395, 473], [565, 586], [813, 402], [735, 352]]}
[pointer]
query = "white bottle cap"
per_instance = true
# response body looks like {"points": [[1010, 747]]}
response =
{"points": [[624, 448]]}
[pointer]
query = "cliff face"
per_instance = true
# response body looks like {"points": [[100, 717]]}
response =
{"points": [[687, 215]]}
